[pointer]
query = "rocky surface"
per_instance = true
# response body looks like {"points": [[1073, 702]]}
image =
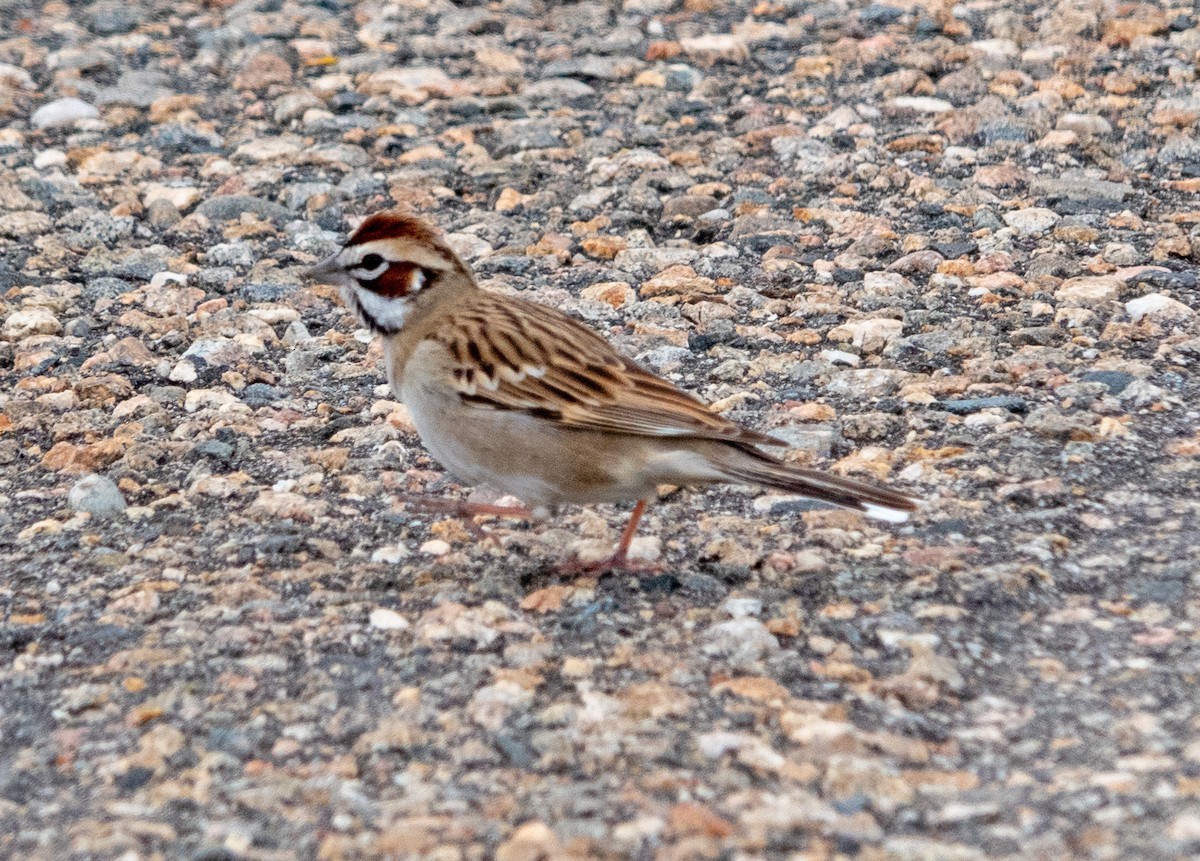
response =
{"points": [[952, 247]]}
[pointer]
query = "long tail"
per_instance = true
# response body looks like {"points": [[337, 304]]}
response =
{"points": [[750, 466]]}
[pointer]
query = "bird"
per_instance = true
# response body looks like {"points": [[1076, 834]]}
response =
{"points": [[516, 395]]}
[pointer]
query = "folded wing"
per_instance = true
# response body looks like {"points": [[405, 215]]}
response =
{"points": [[514, 355]]}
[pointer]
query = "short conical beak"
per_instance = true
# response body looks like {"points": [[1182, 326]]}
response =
{"points": [[324, 270]]}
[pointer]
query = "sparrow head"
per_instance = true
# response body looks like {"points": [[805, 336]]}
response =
{"points": [[390, 261]]}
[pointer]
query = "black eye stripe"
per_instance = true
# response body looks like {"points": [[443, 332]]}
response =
{"points": [[371, 261]]}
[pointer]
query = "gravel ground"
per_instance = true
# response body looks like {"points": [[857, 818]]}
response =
{"points": [[951, 247]]}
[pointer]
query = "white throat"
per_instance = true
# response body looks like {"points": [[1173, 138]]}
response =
{"points": [[377, 312]]}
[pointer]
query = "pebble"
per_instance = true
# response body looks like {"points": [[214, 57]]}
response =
{"points": [[922, 104], [63, 112], [97, 496], [37, 320], [388, 620], [1033, 220], [740, 641], [1158, 307]]}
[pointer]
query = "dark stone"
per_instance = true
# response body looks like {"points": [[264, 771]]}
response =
{"points": [[178, 138], [1162, 279], [215, 449], [260, 395], [134, 779], [879, 13], [104, 288], [280, 542], [986, 219], [973, 405], [508, 265], [346, 100], [703, 586], [666, 583], [954, 250], [266, 292], [1116, 381]]}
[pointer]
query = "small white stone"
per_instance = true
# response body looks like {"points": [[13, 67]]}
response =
{"points": [[183, 372], [922, 104], [1035, 219], [48, 158], [1084, 124], [740, 641], [1088, 290], [391, 554], [645, 547], [159, 279], [388, 620], [62, 112], [37, 320], [435, 547], [218, 399], [181, 197], [840, 357], [1158, 306]]}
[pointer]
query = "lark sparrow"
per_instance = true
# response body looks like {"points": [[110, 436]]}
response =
{"points": [[518, 396]]}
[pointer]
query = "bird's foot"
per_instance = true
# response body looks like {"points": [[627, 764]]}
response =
{"points": [[617, 563], [466, 512]]}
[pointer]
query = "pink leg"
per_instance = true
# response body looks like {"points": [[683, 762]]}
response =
{"points": [[466, 511], [620, 559]]}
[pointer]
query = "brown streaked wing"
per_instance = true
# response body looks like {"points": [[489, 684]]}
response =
{"points": [[535, 359]]}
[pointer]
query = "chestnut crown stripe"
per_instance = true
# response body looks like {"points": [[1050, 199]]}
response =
{"points": [[391, 225]]}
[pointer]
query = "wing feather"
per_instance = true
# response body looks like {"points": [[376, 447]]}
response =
{"points": [[510, 354]]}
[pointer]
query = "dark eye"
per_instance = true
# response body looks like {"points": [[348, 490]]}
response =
{"points": [[371, 262]]}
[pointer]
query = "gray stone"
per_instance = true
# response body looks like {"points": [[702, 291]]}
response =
{"points": [[740, 641], [688, 206], [228, 207], [96, 495], [139, 264], [817, 439], [137, 87], [230, 254], [1116, 381], [261, 395]]}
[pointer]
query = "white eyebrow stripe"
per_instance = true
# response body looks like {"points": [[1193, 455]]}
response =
{"points": [[370, 274]]}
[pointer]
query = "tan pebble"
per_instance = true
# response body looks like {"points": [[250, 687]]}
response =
{"points": [[604, 247]]}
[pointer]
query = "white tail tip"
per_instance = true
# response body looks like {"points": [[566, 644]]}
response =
{"points": [[879, 512]]}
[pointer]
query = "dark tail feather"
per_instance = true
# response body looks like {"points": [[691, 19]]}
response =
{"points": [[753, 467]]}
